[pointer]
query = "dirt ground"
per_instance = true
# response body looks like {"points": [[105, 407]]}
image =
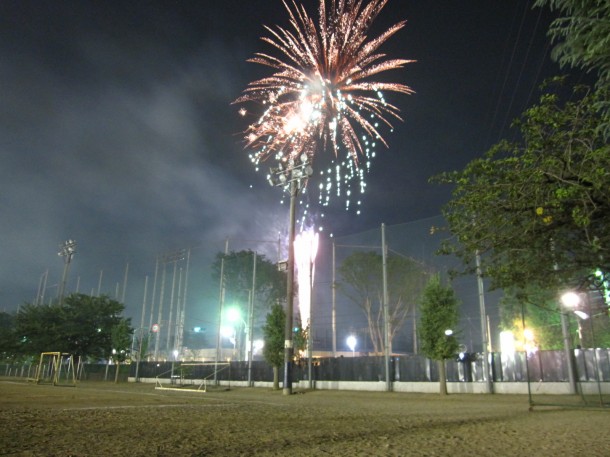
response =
{"points": [[107, 419]]}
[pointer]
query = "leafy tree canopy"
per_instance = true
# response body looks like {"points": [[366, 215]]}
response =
{"points": [[582, 40], [9, 342], [238, 270], [538, 211], [439, 313], [273, 331], [120, 336], [541, 311], [82, 326], [582, 34]]}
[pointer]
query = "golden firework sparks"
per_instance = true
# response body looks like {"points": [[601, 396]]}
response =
{"points": [[322, 95]]}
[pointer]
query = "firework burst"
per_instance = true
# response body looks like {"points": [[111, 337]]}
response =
{"points": [[322, 95]]}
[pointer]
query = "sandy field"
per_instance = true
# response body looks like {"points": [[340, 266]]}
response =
{"points": [[107, 419]]}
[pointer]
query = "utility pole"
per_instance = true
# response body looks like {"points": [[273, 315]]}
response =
{"points": [[386, 318], [67, 251]]}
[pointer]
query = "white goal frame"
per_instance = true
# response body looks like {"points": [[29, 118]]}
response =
{"points": [[202, 384]]}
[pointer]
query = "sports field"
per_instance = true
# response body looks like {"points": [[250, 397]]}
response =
{"points": [[107, 419]]}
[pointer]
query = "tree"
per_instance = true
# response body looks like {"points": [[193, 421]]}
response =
{"points": [[439, 317], [538, 211], [541, 311], [9, 341], [120, 337], [582, 37], [238, 271], [273, 350], [362, 276], [82, 325]]}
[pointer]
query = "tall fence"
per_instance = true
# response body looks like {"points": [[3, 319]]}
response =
{"points": [[592, 368], [543, 366], [416, 243]]}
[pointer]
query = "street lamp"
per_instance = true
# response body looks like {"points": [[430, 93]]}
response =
{"points": [[351, 343], [67, 251], [234, 317], [572, 301], [294, 177], [569, 300]]}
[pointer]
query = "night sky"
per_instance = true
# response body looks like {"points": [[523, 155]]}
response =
{"points": [[117, 130]]}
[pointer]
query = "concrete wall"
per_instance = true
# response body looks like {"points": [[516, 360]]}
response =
{"points": [[509, 388]]}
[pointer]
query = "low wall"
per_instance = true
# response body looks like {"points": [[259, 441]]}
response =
{"points": [[508, 388]]}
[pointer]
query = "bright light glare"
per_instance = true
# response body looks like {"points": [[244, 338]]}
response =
{"points": [[570, 299], [305, 250], [227, 332], [507, 342], [233, 314], [448, 332], [351, 342], [258, 345]]}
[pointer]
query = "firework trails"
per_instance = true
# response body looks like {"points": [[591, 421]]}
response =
{"points": [[322, 95]]}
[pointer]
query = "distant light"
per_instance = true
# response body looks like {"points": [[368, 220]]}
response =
{"points": [[227, 332], [507, 342], [351, 342], [233, 315], [570, 299]]}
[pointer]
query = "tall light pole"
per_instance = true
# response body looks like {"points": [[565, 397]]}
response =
{"points": [[293, 176], [484, 335], [67, 251], [251, 297], [569, 300]]}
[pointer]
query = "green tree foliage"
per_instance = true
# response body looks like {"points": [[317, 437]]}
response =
{"points": [[273, 331], [238, 268], [9, 341], [120, 337], [541, 311], [439, 313], [81, 326], [362, 282], [582, 40], [538, 211], [582, 34]]}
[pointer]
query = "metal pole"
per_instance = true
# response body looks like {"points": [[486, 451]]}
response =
{"points": [[180, 336], [178, 312], [251, 320], [310, 327], [221, 301], [67, 250], [141, 329], [44, 287], [568, 352], [99, 283], [484, 336], [334, 304], [160, 314], [125, 283], [154, 292], [288, 344], [171, 309], [386, 320]]}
